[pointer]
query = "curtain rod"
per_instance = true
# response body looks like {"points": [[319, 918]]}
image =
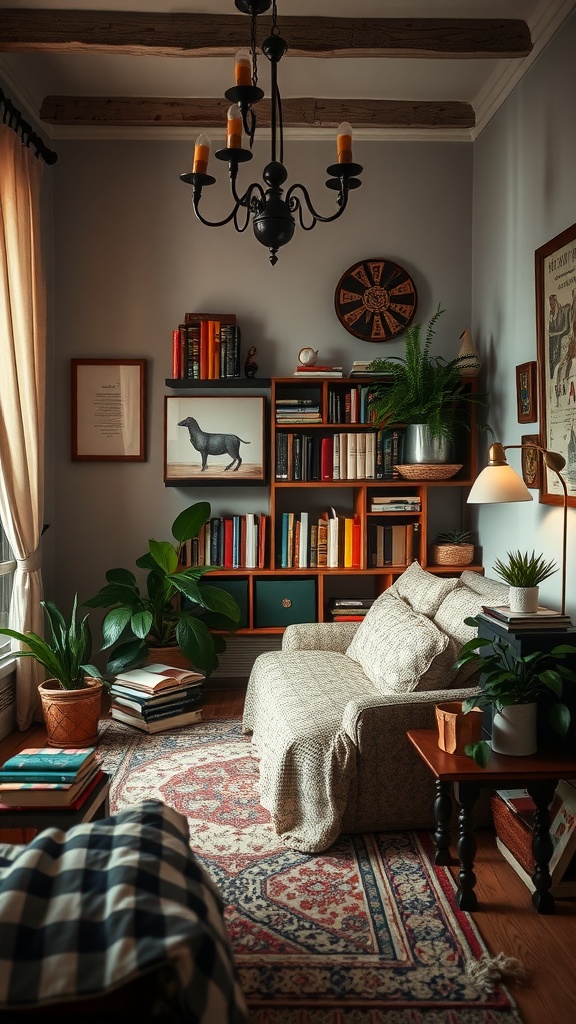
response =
{"points": [[13, 118]]}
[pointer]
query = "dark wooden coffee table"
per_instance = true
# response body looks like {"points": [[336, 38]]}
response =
{"points": [[539, 774]]}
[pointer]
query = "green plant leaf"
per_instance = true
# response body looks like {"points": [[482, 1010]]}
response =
{"points": [[126, 656], [114, 625], [479, 752], [196, 643], [187, 525], [559, 718], [164, 555]]}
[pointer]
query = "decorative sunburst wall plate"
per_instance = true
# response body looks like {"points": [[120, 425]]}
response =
{"points": [[375, 299]]}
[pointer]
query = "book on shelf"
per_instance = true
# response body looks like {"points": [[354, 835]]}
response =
{"points": [[350, 602], [318, 371], [158, 725], [157, 677], [502, 613], [359, 368], [49, 759], [46, 794], [207, 347]]}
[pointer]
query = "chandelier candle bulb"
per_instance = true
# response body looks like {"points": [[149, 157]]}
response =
{"points": [[344, 143], [201, 154], [234, 127], [242, 67]]}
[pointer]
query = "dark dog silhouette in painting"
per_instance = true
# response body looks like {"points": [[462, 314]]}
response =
{"points": [[214, 444]]}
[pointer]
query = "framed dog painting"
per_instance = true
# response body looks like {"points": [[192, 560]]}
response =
{"points": [[214, 440]]}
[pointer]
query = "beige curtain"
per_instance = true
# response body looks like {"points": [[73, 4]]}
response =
{"points": [[22, 396]]}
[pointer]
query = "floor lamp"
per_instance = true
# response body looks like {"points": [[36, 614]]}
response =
{"points": [[498, 482]]}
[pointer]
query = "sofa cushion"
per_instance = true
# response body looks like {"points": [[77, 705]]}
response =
{"points": [[421, 590], [461, 603], [401, 650], [491, 591]]}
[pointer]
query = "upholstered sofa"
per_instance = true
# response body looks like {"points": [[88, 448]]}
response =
{"points": [[328, 713]]}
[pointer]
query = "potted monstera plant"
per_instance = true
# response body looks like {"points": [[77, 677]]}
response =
{"points": [[71, 694], [170, 615]]}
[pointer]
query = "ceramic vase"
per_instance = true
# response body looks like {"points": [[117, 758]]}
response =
{"points": [[514, 730], [469, 366], [523, 599]]}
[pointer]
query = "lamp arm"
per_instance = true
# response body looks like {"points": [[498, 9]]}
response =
{"points": [[555, 462]]}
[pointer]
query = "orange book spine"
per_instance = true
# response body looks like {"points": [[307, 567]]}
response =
{"points": [[176, 354], [203, 350]]}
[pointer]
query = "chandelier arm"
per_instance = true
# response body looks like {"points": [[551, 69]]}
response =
{"points": [[251, 203], [292, 200], [213, 223]]}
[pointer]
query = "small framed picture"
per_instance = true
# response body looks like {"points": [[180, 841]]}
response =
{"points": [[527, 392], [214, 440], [531, 462], [109, 410]]}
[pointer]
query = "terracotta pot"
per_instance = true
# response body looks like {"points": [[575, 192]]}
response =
{"points": [[71, 716], [452, 554], [456, 729]]}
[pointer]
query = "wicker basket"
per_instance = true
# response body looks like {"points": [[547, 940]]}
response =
{"points": [[71, 716], [428, 471], [452, 554], [513, 832]]}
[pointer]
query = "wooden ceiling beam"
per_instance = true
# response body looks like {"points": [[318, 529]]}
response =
{"points": [[304, 112], [206, 35]]}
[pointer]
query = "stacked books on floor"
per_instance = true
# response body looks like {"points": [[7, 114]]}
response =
{"points": [[157, 697], [349, 609], [517, 622], [513, 811], [49, 777]]}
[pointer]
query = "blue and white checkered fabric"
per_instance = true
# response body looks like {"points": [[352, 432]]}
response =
{"points": [[89, 909]]}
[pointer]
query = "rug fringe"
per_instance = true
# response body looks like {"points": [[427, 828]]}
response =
{"points": [[487, 971]]}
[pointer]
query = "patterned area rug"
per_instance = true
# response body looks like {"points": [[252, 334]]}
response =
{"points": [[366, 933]]}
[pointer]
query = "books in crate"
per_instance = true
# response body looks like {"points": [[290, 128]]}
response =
{"points": [[157, 697], [513, 811], [49, 777], [517, 622]]}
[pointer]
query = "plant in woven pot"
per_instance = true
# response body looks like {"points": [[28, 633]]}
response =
{"points": [[171, 617], [72, 694], [517, 688], [426, 393], [523, 573], [453, 548]]}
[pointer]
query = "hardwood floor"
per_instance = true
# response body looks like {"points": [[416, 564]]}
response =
{"points": [[506, 920]]}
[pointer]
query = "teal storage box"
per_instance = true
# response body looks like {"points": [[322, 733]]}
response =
{"points": [[238, 589], [282, 602]]}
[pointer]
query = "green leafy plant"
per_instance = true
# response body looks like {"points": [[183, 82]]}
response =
{"points": [[175, 607], [509, 678], [65, 655], [455, 537], [422, 388], [523, 569]]}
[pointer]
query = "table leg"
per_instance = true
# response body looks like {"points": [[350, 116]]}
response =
{"points": [[443, 813], [542, 793], [466, 794]]}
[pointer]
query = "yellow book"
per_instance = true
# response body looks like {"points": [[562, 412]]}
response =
{"points": [[348, 543]]}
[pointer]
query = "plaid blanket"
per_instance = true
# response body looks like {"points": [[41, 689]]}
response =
{"points": [[87, 910]]}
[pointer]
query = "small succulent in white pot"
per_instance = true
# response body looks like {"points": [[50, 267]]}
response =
{"points": [[524, 573]]}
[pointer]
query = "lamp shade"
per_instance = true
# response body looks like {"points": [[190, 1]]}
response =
{"points": [[498, 484]]}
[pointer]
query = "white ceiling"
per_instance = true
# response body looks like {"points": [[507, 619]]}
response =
{"points": [[484, 83]]}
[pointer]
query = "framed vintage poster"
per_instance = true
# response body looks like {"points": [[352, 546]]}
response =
{"points": [[531, 462], [527, 392], [555, 267], [108, 410], [214, 440]]}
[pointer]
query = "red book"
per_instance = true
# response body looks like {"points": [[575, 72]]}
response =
{"points": [[356, 531], [228, 543], [176, 354], [326, 451]]}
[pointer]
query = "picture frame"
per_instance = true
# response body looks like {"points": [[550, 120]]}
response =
{"points": [[527, 392], [555, 279], [531, 462], [215, 440], [108, 410]]}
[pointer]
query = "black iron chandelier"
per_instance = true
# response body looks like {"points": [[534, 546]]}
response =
{"points": [[273, 214]]}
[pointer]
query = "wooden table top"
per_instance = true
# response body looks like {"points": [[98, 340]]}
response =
{"points": [[548, 764]]}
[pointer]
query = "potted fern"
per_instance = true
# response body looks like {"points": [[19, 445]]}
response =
{"points": [[71, 694], [524, 573], [426, 393]]}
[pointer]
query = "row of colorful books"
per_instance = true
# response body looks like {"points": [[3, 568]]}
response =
{"points": [[157, 698], [332, 541], [230, 541], [394, 544], [345, 455], [49, 777], [206, 347], [350, 405]]}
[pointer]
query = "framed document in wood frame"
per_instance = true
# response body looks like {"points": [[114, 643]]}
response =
{"points": [[555, 275], [109, 410]]}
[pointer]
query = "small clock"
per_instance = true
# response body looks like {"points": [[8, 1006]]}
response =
{"points": [[375, 299], [308, 356]]}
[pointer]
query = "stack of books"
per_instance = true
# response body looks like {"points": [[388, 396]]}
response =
{"points": [[49, 777], [517, 622], [359, 368], [297, 410], [349, 609], [318, 371], [395, 503], [157, 697]]}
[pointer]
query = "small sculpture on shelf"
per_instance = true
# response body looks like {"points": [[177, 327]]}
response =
{"points": [[250, 366]]}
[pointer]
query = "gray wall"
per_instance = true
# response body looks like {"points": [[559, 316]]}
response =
{"points": [[130, 259], [523, 196]]}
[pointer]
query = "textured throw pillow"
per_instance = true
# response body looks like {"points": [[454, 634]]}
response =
{"points": [[421, 590], [457, 606], [491, 591], [400, 650]]}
